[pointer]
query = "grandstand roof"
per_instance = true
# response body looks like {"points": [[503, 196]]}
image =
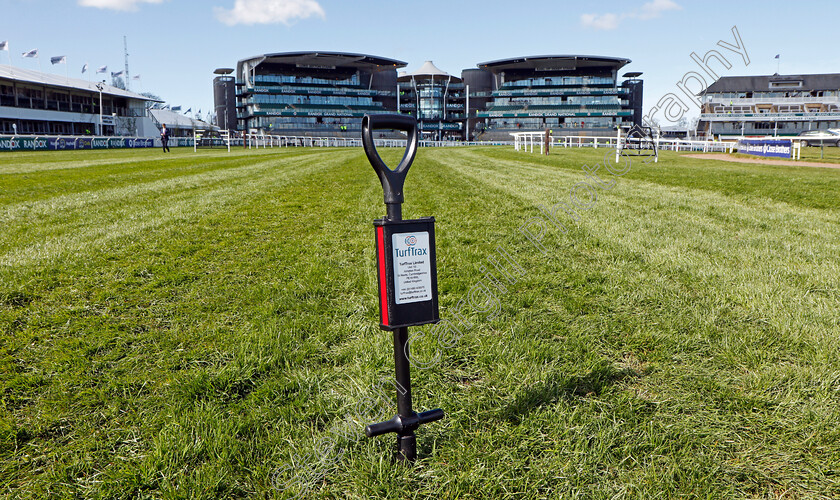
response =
{"points": [[52, 80], [328, 60], [559, 62], [428, 69], [799, 83]]}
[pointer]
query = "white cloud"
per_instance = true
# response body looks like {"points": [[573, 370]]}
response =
{"points": [[268, 11], [610, 21], [125, 5], [600, 22], [655, 8]]}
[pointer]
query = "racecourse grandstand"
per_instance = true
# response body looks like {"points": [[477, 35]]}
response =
{"points": [[313, 93], [36, 103], [777, 105], [437, 99], [570, 94], [327, 93]]}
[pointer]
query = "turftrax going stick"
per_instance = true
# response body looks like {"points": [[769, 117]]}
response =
{"points": [[405, 256]]}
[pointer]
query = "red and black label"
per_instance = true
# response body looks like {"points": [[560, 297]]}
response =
{"points": [[407, 272]]}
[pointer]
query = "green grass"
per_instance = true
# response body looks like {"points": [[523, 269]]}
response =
{"points": [[204, 326]]}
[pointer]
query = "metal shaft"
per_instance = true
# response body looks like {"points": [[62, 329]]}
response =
{"points": [[406, 442], [393, 211]]}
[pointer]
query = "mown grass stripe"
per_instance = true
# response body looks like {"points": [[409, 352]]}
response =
{"points": [[120, 212], [30, 187]]}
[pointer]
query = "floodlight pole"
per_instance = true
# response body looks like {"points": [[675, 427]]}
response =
{"points": [[99, 86]]}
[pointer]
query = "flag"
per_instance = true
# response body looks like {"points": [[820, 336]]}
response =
{"points": [[176, 108], [58, 60], [135, 77], [84, 68], [118, 73], [31, 53], [777, 56], [103, 69], [4, 45]]}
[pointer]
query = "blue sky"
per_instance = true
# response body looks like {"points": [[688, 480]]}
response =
{"points": [[176, 44]]}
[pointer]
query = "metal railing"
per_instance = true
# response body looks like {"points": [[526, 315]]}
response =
{"points": [[747, 101], [528, 141], [285, 141], [751, 117]]}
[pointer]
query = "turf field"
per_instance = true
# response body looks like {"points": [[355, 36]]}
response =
{"points": [[204, 326]]}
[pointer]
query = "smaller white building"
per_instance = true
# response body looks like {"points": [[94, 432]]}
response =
{"points": [[179, 125], [36, 103]]}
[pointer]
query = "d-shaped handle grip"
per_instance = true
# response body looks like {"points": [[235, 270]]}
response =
{"points": [[392, 180]]}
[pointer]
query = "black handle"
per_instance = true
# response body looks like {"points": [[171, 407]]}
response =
{"points": [[393, 425], [392, 180], [430, 416]]}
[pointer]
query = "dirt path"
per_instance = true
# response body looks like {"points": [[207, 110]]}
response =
{"points": [[726, 157]]}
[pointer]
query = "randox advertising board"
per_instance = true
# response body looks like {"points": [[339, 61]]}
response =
{"points": [[779, 148], [24, 143]]}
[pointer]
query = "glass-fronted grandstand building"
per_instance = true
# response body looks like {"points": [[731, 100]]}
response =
{"points": [[327, 93], [437, 99], [569, 94], [778, 105], [313, 92]]}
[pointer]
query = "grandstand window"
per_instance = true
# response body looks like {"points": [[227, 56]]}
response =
{"points": [[285, 79], [7, 95], [786, 84]]}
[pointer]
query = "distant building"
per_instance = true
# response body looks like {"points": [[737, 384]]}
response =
{"points": [[675, 132], [36, 103], [437, 99], [313, 93], [778, 105], [327, 93], [224, 98], [570, 94], [179, 125]]}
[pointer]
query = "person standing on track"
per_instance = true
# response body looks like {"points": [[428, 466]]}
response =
{"points": [[164, 138]]}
